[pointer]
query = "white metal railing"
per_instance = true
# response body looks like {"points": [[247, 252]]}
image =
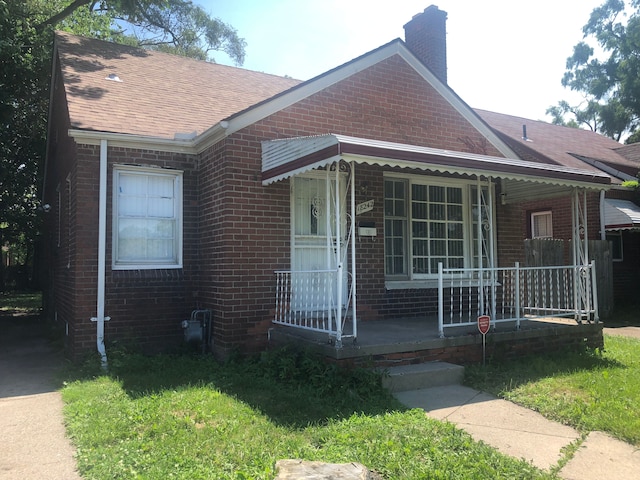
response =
{"points": [[515, 294], [309, 300]]}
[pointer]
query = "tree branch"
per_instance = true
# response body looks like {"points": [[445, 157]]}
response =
{"points": [[73, 6]]}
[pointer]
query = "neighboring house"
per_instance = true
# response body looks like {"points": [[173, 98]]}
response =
{"points": [[178, 185], [577, 148]]}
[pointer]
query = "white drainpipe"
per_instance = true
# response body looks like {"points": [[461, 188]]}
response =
{"points": [[102, 234]]}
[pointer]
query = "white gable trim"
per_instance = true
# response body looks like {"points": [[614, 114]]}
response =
{"points": [[296, 94]]}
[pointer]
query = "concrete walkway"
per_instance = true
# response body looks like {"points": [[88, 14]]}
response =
{"points": [[33, 444], [523, 433]]}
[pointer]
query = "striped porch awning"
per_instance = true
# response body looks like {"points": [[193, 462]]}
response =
{"points": [[288, 157]]}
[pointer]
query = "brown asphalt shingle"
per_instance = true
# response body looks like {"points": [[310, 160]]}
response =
{"points": [[159, 94], [561, 144]]}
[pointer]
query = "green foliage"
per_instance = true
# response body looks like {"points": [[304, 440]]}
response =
{"points": [[190, 417], [23, 302], [608, 76], [593, 390], [24, 73]]}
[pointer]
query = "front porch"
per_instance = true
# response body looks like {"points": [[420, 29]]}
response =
{"points": [[406, 341], [426, 239]]}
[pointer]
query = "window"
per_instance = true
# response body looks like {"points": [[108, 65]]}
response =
{"points": [[615, 245], [147, 218], [542, 224], [427, 223]]}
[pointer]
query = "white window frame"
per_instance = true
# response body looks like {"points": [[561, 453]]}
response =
{"points": [[469, 223], [141, 263], [534, 216]]}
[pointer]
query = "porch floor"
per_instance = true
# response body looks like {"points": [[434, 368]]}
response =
{"points": [[384, 338]]}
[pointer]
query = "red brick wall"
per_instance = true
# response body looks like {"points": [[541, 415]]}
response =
{"points": [[146, 306], [58, 245], [499, 347]]}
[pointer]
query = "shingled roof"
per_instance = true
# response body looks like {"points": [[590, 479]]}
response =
{"points": [[570, 147], [121, 89]]}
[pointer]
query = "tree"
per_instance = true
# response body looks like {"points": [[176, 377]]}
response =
{"points": [[23, 103], [609, 77], [176, 26], [26, 40]]}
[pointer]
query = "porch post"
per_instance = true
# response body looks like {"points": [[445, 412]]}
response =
{"points": [[353, 251], [479, 246], [490, 255], [581, 295], [575, 238], [440, 301], [329, 262], [339, 266]]}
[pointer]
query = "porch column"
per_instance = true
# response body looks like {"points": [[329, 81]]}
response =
{"points": [[580, 247], [339, 264], [353, 291], [579, 224], [329, 240]]}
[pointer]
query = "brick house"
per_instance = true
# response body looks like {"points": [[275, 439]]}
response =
{"points": [[178, 185]]}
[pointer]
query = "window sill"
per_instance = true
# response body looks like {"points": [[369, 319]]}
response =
{"points": [[143, 266]]}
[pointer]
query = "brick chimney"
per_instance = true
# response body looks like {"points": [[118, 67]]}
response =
{"points": [[426, 37]]}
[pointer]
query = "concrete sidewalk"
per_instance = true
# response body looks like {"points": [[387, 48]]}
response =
{"points": [[33, 443], [525, 434]]}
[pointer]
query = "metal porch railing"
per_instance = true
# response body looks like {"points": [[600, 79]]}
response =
{"points": [[515, 293], [309, 300]]}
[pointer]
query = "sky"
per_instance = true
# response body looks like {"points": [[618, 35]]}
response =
{"points": [[507, 56]]}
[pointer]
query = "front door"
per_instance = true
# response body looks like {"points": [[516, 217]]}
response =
{"points": [[313, 256]]}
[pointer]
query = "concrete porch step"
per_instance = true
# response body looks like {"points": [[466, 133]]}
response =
{"points": [[422, 375]]}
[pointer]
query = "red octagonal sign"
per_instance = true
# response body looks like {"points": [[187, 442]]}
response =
{"points": [[484, 321]]}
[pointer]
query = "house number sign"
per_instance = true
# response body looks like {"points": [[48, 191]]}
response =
{"points": [[364, 207]]}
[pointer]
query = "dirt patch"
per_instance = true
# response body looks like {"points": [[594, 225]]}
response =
{"points": [[632, 332]]}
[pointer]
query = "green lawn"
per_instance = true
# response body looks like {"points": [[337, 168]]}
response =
{"points": [[190, 417], [20, 302], [589, 391]]}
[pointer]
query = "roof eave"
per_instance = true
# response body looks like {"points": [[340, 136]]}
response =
{"points": [[138, 142]]}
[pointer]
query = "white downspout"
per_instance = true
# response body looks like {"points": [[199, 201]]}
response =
{"points": [[102, 237]]}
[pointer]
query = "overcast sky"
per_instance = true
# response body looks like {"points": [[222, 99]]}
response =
{"points": [[507, 56]]}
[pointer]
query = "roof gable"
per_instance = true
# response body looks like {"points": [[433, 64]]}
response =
{"points": [[322, 82]]}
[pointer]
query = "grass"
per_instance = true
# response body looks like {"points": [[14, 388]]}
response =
{"points": [[592, 390], [20, 303], [190, 417]]}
